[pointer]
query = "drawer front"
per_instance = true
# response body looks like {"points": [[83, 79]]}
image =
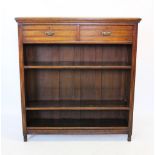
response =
{"points": [[107, 34], [48, 33]]}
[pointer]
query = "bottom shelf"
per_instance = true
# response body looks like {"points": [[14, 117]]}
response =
{"points": [[77, 123], [78, 105]]}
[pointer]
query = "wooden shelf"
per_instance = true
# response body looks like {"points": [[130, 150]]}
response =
{"points": [[77, 105], [76, 123], [77, 65]]}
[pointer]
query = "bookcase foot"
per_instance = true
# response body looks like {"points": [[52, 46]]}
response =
{"points": [[129, 138], [25, 137]]}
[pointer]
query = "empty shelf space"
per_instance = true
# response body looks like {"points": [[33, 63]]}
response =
{"points": [[94, 123], [77, 105]]}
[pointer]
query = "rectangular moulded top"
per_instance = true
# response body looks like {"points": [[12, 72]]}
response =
{"points": [[76, 20]]}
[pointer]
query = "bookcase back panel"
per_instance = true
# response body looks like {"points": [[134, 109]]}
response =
{"points": [[77, 54], [69, 84], [77, 114], [77, 118]]}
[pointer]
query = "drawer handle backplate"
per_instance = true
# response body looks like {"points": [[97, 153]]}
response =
{"points": [[49, 33], [106, 33]]}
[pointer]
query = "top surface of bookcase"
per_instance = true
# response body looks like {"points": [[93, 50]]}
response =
{"points": [[76, 20]]}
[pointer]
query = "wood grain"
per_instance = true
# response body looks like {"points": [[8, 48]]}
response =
{"points": [[38, 33], [48, 20], [22, 81], [132, 85], [94, 33]]}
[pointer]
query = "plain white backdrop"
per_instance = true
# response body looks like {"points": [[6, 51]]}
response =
{"points": [[12, 139]]}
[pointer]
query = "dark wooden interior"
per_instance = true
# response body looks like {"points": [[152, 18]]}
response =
{"points": [[77, 81], [94, 88]]}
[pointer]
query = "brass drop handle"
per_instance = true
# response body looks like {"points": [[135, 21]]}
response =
{"points": [[49, 33], [106, 33]]}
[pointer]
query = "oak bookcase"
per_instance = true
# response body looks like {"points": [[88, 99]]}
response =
{"points": [[77, 75]]}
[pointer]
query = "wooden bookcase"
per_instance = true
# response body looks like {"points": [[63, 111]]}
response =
{"points": [[77, 75]]}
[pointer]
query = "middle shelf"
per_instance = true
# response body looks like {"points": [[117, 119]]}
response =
{"points": [[77, 105], [77, 65]]}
